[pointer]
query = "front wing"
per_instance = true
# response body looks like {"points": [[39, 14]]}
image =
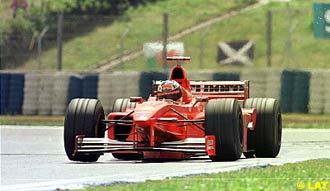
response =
{"points": [[192, 146]]}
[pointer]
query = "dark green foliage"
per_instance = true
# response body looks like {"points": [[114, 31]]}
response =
{"points": [[16, 34]]}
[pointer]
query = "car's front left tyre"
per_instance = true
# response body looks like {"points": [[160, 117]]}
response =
{"points": [[223, 119]]}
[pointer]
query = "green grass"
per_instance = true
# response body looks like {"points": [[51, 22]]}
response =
{"points": [[5, 10], [145, 24], [306, 121], [307, 125], [31, 120], [306, 174], [306, 52]]}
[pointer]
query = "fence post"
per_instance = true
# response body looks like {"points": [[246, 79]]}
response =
{"points": [[165, 35], [42, 34], [59, 40], [1, 51], [201, 47], [288, 54], [2, 47], [269, 37], [123, 36]]}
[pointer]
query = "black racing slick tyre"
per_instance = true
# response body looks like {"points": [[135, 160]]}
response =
{"points": [[83, 117], [122, 103], [118, 106], [223, 119], [265, 140]]}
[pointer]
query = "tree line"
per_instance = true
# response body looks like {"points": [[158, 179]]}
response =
{"points": [[16, 33]]}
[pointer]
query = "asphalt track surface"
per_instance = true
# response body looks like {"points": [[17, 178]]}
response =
{"points": [[33, 158]]}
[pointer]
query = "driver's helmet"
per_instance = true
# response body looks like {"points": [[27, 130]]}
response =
{"points": [[169, 89]]}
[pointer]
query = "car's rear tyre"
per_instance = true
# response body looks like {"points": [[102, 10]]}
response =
{"points": [[83, 117], [122, 103], [265, 140], [223, 119], [118, 106]]}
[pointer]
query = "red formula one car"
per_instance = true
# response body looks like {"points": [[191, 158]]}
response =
{"points": [[179, 120]]}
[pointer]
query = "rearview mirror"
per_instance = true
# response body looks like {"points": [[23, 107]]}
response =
{"points": [[136, 99], [202, 99]]}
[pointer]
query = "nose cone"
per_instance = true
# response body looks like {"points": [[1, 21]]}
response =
{"points": [[143, 115], [146, 112]]}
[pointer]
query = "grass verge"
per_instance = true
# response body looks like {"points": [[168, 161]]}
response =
{"points": [[306, 175], [306, 121], [31, 120]]}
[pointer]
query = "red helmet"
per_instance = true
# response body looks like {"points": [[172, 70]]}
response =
{"points": [[169, 89]]}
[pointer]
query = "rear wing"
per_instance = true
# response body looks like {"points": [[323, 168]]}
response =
{"points": [[215, 89], [220, 89], [177, 59]]}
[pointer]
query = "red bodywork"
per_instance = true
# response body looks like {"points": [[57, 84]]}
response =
{"points": [[167, 129]]}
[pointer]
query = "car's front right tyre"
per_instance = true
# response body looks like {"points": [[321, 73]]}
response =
{"points": [[83, 117]]}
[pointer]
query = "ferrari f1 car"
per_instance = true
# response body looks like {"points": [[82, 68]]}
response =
{"points": [[180, 119]]}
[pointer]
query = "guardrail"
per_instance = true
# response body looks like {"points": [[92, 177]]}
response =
{"points": [[49, 93]]}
